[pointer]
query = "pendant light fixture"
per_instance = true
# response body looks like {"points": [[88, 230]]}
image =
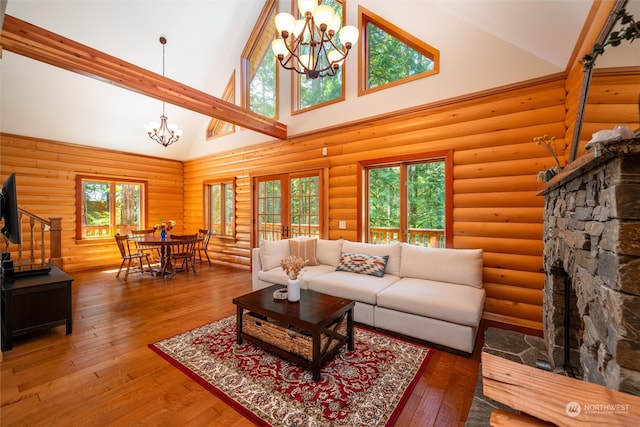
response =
{"points": [[163, 133]]}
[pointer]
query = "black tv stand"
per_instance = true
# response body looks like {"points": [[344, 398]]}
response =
{"points": [[35, 302]]}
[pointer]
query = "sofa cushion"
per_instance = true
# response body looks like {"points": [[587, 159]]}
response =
{"points": [[271, 252], [460, 266], [276, 276], [438, 300], [358, 287], [372, 265], [391, 249], [305, 248], [279, 277], [328, 252]]}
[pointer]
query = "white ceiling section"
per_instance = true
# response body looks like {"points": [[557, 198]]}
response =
{"points": [[483, 44]]}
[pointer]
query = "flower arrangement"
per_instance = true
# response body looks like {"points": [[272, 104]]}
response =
{"points": [[292, 266], [550, 144], [165, 226]]}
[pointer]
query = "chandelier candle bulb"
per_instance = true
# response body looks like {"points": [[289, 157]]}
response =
{"points": [[309, 46]]}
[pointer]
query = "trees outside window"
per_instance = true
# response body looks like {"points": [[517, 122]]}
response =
{"points": [[220, 211], [259, 66], [391, 55], [107, 206], [288, 205], [407, 200], [311, 93]]}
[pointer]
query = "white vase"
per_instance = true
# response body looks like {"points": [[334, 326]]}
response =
{"points": [[293, 290]]}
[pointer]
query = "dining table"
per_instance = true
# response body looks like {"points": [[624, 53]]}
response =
{"points": [[163, 244]]}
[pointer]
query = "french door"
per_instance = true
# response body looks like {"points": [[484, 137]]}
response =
{"points": [[288, 205]]}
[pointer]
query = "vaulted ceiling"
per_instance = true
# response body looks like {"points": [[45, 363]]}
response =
{"points": [[483, 44]]}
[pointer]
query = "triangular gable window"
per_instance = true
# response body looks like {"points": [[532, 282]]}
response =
{"points": [[219, 127], [391, 56]]}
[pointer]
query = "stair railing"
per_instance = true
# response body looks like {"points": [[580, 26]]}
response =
{"points": [[33, 243]]}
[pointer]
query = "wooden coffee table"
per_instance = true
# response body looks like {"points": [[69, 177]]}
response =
{"points": [[308, 332]]}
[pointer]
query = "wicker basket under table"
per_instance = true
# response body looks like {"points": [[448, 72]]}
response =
{"points": [[290, 338], [309, 332]]}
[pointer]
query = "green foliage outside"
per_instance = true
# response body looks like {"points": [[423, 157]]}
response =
{"points": [[317, 91], [425, 193], [96, 202], [229, 210], [391, 60], [262, 89]]}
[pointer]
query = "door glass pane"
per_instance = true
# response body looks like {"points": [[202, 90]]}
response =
{"points": [[384, 204], [425, 204], [269, 213], [305, 206]]}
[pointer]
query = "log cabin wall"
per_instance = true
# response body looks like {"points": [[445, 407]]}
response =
{"points": [[495, 166], [495, 163], [46, 184]]}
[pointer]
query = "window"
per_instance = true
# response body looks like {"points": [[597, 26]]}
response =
{"points": [[391, 56], [219, 127], [259, 67], [109, 206], [311, 93], [220, 211], [288, 205], [407, 200]]}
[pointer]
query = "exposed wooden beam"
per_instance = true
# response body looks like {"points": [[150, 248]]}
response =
{"points": [[26, 39]]}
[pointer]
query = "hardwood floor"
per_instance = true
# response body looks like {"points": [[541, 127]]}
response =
{"points": [[104, 373]]}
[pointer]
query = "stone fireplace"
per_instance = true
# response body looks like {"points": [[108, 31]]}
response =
{"points": [[591, 300]]}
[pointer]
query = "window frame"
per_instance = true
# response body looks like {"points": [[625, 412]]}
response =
{"points": [[296, 91], [254, 42], [112, 181], [207, 220], [365, 17], [362, 199]]}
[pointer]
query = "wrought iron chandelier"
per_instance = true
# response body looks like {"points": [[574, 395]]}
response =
{"points": [[308, 45], [163, 133]]}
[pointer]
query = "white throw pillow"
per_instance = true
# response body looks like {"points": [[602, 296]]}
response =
{"points": [[461, 266], [272, 252], [391, 249], [328, 252]]}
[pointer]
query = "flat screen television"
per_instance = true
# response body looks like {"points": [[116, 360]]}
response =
{"points": [[9, 210]]}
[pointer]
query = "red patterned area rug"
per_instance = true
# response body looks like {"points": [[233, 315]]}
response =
{"points": [[364, 387]]}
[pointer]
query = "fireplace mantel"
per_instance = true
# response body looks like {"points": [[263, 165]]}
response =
{"points": [[597, 155]]}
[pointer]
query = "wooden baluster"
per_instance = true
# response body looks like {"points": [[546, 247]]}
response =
{"points": [[55, 241]]}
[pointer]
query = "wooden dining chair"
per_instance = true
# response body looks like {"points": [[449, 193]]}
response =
{"points": [[203, 244], [150, 250], [128, 255], [183, 252]]}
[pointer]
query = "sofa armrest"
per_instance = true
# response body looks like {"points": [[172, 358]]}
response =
{"points": [[256, 266]]}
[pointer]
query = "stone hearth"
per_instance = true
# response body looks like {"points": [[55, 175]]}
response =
{"points": [[592, 250]]}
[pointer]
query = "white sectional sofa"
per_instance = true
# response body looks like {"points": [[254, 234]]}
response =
{"points": [[431, 294]]}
